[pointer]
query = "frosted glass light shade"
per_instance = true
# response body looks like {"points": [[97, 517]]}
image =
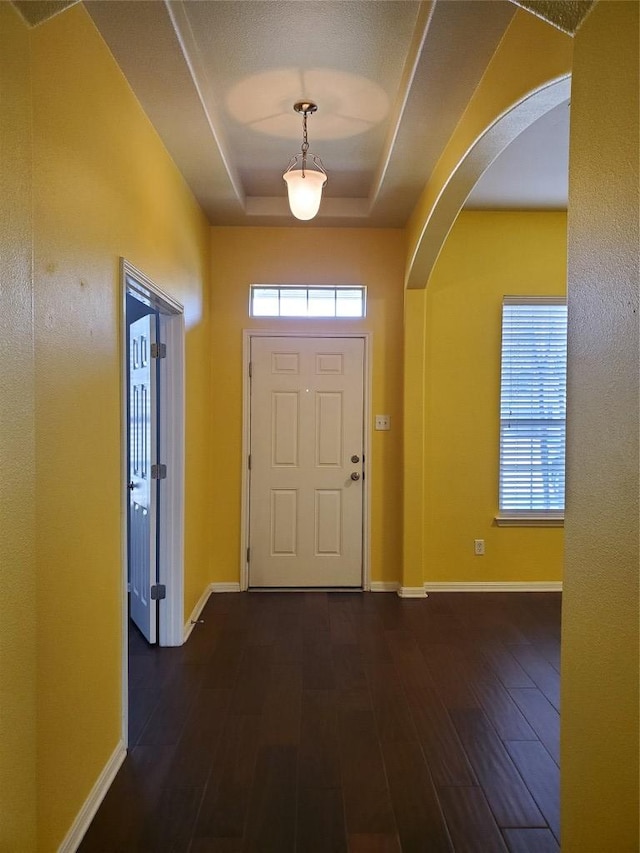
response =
{"points": [[305, 191]]}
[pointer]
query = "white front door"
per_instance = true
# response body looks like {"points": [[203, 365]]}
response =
{"points": [[143, 489], [306, 446]]}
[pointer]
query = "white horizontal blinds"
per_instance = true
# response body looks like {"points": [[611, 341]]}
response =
{"points": [[533, 404]]}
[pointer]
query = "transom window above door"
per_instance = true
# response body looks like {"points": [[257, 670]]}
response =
{"points": [[343, 301]]}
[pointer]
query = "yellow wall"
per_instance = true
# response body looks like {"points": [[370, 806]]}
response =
{"points": [[415, 472], [486, 256], [244, 256], [17, 480], [527, 76], [104, 187], [600, 605]]}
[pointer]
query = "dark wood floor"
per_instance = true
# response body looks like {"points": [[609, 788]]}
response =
{"points": [[317, 722]]}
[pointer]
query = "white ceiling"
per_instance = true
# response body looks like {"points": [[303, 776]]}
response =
{"points": [[218, 79], [532, 172]]}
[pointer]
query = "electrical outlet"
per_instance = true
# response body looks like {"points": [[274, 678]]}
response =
{"points": [[383, 422], [478, 547]]}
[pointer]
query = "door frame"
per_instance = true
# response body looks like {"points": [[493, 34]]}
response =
{"points": [[171, 451], [367, 338]]}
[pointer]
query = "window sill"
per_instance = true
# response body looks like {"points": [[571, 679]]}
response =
{"points": [[530, 519]]}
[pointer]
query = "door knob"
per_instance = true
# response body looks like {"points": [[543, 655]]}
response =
{"points": [[355, 475], [131, 486]]}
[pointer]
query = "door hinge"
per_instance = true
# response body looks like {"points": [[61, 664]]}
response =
{"points": [[158, 472], [250, 369], [158, 350], [249, 461], [158, 592], [248, 554]]}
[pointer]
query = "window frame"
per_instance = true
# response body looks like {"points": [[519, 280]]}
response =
{"points": [[325, 288], [526, 517]]}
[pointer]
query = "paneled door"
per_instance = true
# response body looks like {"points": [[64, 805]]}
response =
{"points": [[143, 489], [306, 446]]}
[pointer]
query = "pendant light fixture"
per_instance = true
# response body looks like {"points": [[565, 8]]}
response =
{"points": [[305, 185]]}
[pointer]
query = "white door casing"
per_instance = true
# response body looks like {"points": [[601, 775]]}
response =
{"points": [[171, 630], [143, 491], [306, 426]]}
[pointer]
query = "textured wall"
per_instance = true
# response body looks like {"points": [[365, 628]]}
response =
{"points": [[244, 256], [600, 610], [487, 256], [567, 15], [17, 465], [513, 92], [104, 187]]}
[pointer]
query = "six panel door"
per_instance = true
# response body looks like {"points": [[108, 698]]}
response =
{"points": [[306, 445]]}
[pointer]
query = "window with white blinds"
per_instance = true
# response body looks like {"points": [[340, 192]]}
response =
{"points": [[533, 405]]}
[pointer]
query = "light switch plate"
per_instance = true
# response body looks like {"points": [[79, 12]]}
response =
{"points": [[383, 422]]}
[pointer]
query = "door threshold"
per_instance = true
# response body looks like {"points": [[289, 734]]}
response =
{"points": [[305, 589]]}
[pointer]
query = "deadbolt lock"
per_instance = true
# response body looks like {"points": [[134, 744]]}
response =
{"points": [[355, 458]]}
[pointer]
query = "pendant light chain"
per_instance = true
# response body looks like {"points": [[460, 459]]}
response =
{"points": [[305, 142]]}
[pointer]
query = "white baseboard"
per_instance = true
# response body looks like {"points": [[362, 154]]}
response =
{"points": [[465, 586], [91, 805], [384, 586], [494, 586], [197, 610], [225, 587], [412, 592]]}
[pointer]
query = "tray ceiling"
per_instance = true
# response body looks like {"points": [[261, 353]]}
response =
{"points": [[219, 79]]}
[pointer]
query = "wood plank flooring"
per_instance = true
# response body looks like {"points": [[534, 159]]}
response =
{"points": [[344, 723]]}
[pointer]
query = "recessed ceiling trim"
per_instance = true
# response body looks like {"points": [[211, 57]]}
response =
{"points": [[144, 43], [425, 14], [398, 79], [191, 56], [461, 40], [342, 208]]}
